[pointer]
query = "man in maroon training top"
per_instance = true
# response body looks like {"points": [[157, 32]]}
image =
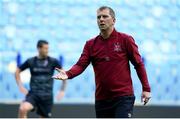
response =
{"points": [[110, 53]]}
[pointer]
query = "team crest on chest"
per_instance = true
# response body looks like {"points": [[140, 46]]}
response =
{"points": [[117, 47]]}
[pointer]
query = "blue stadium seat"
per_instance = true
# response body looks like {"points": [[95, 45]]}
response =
{"points": [[4, 19], [20, 20]]}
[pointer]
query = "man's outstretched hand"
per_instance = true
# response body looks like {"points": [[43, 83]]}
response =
{"points": [[61, 75]]}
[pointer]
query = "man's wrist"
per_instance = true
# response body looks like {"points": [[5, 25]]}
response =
{"points": [[68, 74]]}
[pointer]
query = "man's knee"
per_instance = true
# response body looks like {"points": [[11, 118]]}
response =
{"points": [[25, 107]]}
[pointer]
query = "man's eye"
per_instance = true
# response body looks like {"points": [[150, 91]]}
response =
{"points": [[99, 17], [105, 16]]}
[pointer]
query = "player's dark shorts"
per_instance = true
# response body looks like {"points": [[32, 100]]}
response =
{"points": [[120, 107], [42, 104]]}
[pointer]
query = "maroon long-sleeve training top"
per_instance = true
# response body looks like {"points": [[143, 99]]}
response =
{"points": [[110, 59]]}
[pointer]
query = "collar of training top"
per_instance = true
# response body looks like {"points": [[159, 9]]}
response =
{"points": [[113, 34]]}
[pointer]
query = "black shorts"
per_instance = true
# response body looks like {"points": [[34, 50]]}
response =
{"points": [[119, 107], [42, 104]]}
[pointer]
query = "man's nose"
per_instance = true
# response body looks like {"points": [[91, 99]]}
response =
{"points": [[101, 18]]}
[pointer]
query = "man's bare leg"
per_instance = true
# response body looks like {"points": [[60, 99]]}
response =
{"points": [[24, 108]]}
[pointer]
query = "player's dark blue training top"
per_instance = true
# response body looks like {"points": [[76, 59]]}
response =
{"points": [[41, 71]]}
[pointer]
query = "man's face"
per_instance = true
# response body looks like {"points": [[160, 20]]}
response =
{"points": [[43, 51], [104, 19]]}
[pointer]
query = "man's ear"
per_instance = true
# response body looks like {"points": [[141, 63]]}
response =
{"points": [[114, 20]]}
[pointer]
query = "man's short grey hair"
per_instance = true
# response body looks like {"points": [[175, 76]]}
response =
{"points": [[111, 11]]}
